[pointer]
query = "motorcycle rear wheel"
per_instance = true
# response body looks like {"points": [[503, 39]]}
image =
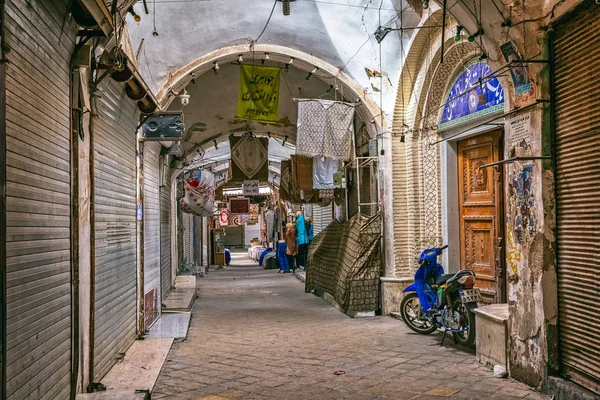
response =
{"points": [[466, 338], [413, 315]]}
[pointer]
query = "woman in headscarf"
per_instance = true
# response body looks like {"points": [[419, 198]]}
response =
{"points": [[291, 248]]}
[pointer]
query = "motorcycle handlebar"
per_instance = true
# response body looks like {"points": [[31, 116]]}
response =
{"points": [[443, 247]]}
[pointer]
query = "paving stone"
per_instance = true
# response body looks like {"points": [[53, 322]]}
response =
{"points": [[259, 336]]}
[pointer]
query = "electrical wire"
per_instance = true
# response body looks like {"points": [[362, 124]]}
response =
{"points": [[267, 24]]}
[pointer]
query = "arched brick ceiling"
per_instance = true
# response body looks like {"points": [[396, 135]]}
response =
{"points": [[339, 32]]}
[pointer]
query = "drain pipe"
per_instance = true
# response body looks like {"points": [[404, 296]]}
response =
{"points": [[140, 229], [92, 201], [74, 128], [2, 203]]}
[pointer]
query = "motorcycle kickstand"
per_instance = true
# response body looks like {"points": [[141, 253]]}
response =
{"points": [[444, 337]]}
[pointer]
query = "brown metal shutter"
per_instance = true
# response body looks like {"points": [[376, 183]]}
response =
{"points": [[165, 227], [152, 293], [577, 77], [115, 226], [38, 198]]}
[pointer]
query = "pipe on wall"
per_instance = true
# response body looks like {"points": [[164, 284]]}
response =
{"points": [[2, 206], [140, 229], [74, 129], [92, 200]]}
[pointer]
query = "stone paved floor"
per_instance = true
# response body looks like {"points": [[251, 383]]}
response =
{"points": [[255, 334]]}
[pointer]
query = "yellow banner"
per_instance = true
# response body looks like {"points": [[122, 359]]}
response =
{"points": [[259, 93]]}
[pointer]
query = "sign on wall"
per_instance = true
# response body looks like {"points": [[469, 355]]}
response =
{"points": [[258, 98], [251, 188]]}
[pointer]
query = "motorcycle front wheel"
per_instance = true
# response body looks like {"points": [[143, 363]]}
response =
{"points": [[413, 315], [467, 320]]}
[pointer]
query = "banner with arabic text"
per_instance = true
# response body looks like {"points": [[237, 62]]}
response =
{"points": [[258, 98]]}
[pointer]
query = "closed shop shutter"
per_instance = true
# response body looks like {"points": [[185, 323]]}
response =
{"points": [[577, 74], [165, 227], [188, 240], [316, 219], [38, 199], [234, 236], [115, 225], [152, 293]]}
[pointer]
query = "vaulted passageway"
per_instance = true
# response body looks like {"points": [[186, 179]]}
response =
{"points": [[255, 334]]}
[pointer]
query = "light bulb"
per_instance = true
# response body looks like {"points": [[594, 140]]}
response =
{"points": [[216, 68], [267, 56], [314, 71], [240, 59]]}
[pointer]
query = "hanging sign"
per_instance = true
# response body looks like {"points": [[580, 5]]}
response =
{"points": [[240, 205], [258, 98], [251, 188]]}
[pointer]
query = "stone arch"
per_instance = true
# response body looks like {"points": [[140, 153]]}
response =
{"points": [[368, 110]]}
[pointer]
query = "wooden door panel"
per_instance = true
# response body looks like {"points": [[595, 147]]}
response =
{"points": [[479, 193], [478, 184], [480, 252]]}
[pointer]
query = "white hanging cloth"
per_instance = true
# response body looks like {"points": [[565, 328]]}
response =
{"points": [[325, 129]]}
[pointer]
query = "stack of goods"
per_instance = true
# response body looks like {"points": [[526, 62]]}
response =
{"points": [[199, 198]]}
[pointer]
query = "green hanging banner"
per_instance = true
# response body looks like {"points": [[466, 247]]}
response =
{"points": [[259, 93]]}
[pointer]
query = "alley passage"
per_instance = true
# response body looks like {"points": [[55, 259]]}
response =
{"points": [[255, 334]]}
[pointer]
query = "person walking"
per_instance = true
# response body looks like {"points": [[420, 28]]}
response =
{"points": [[291, 250], [302, 235]]}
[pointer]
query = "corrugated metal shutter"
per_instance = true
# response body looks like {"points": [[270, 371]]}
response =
{"points": [[115, 225], [188, 239], [577, 58], [165, 227], [152, 293], [316, 220], [38, 198]]}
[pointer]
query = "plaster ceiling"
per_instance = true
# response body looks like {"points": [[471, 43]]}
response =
{"points": [[339, 32]]}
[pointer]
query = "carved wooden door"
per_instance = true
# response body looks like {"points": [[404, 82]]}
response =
{"points": [[480, 207]]}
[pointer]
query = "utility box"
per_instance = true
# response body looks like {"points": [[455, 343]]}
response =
{"points": [[492, 335]]}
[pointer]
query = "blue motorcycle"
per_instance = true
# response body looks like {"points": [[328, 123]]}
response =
{"points": [[437, 300]]}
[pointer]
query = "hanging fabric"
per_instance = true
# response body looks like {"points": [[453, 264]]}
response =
{"points": [[326, 194], [249, 158], [325, 129], [323, 171], [285, 181], [302, 169]]}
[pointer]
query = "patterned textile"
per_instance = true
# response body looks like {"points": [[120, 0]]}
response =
{"points": [[325, 129], [302, 169], [284, 183], [253, 214], [323, 171], [249, 158], [345, 261], [326, 194]]}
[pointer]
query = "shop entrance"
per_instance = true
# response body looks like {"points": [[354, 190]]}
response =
{"points": [[480, 211]]}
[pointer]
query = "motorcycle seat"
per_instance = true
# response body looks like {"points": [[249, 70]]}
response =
{"points": [[443, 278]]}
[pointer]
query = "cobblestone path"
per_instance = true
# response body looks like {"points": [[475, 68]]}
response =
{"points": [[255, 334]]}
